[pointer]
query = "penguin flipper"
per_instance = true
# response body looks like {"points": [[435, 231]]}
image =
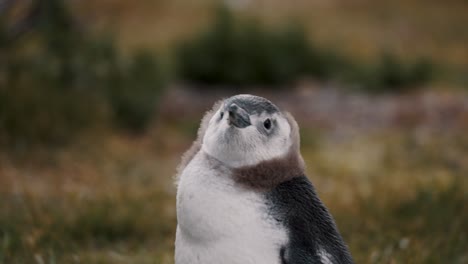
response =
{"points": [[313, 236]]}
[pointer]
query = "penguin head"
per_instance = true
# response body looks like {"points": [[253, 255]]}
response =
{"points": [[245, 130]]}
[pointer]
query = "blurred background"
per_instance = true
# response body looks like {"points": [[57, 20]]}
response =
{"points": [[99, 99]]}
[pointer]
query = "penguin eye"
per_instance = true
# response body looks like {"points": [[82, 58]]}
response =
{"points": [[267, 123]]}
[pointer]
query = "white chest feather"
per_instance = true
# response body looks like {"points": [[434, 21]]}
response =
{"points": [[220, 222]]}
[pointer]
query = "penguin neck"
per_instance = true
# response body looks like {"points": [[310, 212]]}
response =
{"points": [[264, 175]]}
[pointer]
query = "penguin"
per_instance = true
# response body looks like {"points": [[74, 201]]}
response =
{"points": [[243, 196]]}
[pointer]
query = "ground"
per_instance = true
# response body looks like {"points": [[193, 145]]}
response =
{"points": [[398, 193]]}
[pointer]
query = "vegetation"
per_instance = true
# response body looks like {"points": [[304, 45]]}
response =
{"points": [[390, 75], [245, 53], [117, 203], [398, 196], [58, 80]]}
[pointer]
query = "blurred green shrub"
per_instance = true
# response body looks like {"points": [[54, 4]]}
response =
{"points": [[243, 53], [391, 74], [59, 79], [134, 97], [246, 53]]}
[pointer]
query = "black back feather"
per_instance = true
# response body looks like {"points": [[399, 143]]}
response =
{"points": [[295, 204]]}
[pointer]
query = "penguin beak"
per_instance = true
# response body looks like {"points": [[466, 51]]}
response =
{"points": [[238, 117]]}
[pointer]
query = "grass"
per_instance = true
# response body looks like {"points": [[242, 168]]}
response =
{"points": [[396, 197], [79, 206]]}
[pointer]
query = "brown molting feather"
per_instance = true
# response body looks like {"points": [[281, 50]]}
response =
{"points": [[270, 173], [196, 145]]}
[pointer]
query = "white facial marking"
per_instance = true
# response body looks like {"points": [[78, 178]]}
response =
{"points": [[220, 222], [237, 147]]}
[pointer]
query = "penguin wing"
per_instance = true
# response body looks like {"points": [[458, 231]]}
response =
{"points": [[313, 236]]}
